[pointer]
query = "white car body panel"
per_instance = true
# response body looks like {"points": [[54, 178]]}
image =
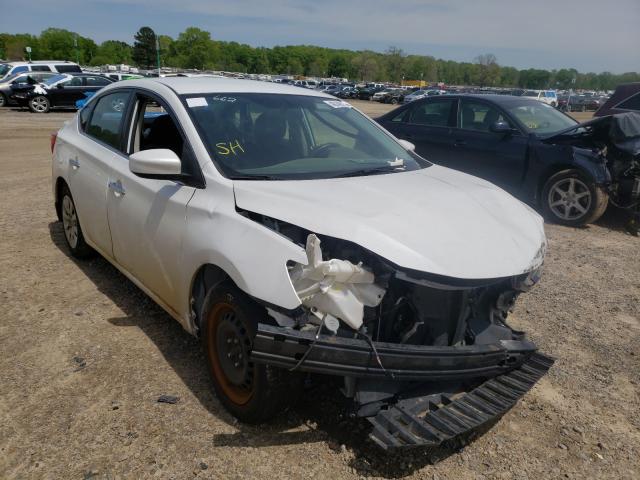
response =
{"points": [[495, 235], [434, 220]]}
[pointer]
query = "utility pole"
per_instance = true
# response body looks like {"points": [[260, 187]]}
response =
{"points": [[75, 45], [158, 54]]}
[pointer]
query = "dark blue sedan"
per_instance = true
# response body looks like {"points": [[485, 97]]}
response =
{"points": [[530, 149]]}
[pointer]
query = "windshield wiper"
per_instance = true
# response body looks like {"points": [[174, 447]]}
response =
{"points": [[372, 171], [254, 177]]}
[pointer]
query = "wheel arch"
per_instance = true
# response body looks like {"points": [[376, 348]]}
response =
{"points": [[60, 183], [557, 168], [205, 278]]}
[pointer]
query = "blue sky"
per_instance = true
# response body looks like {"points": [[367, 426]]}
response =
{"points": [[541, 33]]}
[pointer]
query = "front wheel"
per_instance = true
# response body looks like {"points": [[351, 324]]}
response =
{"points": [[39, 104], [251, 392], [572, 198], [3, 100]]}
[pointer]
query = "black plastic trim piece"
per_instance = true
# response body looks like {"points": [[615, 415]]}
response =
{"points": [[354, 357]]}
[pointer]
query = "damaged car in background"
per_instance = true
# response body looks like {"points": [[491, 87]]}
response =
{"points": [[570, 171], [295, 236]]}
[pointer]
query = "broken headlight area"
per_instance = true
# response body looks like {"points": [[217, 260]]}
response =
{"points": [[401, 337]]}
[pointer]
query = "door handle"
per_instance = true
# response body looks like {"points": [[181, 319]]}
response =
{"points": [[118, 189], [459, 143], [75, 163]]}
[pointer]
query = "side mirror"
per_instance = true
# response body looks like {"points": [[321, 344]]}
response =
{"points": [[60, 85], [155, 163], [501, 127], [407, 145]]}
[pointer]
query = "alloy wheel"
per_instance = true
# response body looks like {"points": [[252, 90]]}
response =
{"points": [[569, 199], [40, 104]]}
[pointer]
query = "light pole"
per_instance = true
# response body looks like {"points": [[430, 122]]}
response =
{"points": [[75, 45], [158, 54], [28, 50]]}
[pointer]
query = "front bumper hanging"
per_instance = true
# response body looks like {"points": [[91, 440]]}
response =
{"points": [[354, 358], [433, 419]]}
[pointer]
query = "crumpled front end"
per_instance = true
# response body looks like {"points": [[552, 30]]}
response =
{"points": [[407, 343]]}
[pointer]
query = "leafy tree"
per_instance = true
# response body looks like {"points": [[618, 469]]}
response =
{"points": [[112, 52], [144, 48], [366, 65], [194, 49], [394, 62], [488, 70], [338, 66]]}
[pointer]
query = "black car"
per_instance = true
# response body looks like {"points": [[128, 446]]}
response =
{"points": [[367, 92], [17, 79], [568, 170], [59, 91]]}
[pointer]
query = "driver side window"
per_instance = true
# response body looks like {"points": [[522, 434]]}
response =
{"points": [[154, 128], [479, 116]]}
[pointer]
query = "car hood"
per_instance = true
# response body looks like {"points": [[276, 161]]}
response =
{"points": [[434, 220]]}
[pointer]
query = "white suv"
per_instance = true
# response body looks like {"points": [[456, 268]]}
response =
{"points": [[549, 97], [293, 234], [56, 66]]}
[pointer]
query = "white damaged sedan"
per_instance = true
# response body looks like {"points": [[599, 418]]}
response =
{"points": [[295, 236]]}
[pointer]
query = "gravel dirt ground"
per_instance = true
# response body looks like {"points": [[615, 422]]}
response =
{"points": [[85, 356]]}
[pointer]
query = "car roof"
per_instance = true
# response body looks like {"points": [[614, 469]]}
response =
{"points": [[499, 99], [206, 85]]}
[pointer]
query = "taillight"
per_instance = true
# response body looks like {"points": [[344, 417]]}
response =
{"points": [[54, 137]]}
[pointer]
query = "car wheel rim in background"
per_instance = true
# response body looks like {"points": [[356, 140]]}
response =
{"points": [[39, 104], [70, 221], [569, 199]]}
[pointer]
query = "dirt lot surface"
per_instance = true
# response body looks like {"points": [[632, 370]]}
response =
{"points": [[85, 356]]}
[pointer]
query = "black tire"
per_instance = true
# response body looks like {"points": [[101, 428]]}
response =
{"points": [[253, 393], [572, 198], [394, 101], [3, 100], [71, 226], [39, 104]]}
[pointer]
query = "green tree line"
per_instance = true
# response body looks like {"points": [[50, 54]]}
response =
{"points": [[195, 49]]}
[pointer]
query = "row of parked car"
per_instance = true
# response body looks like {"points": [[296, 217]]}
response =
{"points": [[43, 85]]}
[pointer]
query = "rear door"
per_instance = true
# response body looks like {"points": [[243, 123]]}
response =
{"points": [[147, 217], [89, 163], [497, 157], [427, 124]]}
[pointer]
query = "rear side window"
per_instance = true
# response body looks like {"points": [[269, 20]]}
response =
{"points": [[436, 114], [68, 68], [106, 121], [20, 69], [40, 68]]}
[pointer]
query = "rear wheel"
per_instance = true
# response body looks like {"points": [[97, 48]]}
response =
{"points": [[254, 393], [71, 225], [572, 198], [39, 104]]}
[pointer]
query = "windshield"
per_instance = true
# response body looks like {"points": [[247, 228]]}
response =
{"points": [[55, 79], [4, 68], [540, 118], [275, 137]]}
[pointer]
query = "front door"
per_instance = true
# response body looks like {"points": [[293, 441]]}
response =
{"points": [[497, 157], [147, 217]]}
